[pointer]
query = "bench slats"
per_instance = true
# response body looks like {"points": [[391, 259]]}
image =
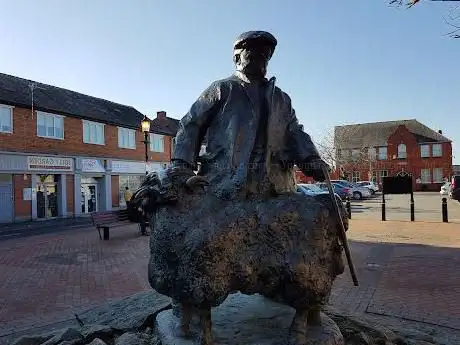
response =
{"points": [[109, 219]]}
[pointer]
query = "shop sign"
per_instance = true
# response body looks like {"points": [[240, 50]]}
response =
{"points": [[49, 163], [13, 162], [92, 165], [127, 167], [155, 166]]}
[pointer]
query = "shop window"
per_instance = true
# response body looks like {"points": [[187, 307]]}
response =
{"points": [[6, 119], [131, 181]]}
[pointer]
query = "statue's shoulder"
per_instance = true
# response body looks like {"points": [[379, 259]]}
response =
{"points": [[282, 95], [219, 86], [226, 82]]}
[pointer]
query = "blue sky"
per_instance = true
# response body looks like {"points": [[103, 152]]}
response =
{"points": [[340, 61]]}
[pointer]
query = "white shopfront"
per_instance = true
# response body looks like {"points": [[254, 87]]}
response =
{"points": [[39, 187], [93, 188], [48, 191], [92, 183], [131, 174]]}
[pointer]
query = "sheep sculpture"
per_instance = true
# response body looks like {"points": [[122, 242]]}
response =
{"points": [[204, 248]]}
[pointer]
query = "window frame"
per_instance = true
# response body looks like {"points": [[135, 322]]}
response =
{"points": [[441, 178], [126, 131], [383, 173], [386, 153], [152, 141], [10, 108], [402, 154], [54, 116], [429, 175], [433, 151], [355, 176], [89, 135], [428, 150], [372, 153]]}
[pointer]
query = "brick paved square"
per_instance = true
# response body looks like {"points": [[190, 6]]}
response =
{"points": [[51, 276], [405, 269], [423, 284]]}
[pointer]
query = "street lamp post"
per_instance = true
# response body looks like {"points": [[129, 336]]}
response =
{"points": [[145, 125]]}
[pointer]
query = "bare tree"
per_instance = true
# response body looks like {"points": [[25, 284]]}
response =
{"points": [[452, 19], [343, 158]]}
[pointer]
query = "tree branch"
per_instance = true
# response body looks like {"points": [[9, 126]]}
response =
{"points": [[454, 33]]}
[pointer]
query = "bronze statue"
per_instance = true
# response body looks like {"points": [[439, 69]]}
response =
{"points": [[237, 224]]}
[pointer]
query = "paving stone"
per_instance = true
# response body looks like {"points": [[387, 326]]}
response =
{"points": [[48, 278]]}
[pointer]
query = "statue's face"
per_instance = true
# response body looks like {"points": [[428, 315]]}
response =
{"points": [[252, 58]]}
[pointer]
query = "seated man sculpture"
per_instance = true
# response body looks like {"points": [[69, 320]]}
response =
{"points": [[237, 224]]}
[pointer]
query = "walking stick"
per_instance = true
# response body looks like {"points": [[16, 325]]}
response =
{"points": [[342, 233]]}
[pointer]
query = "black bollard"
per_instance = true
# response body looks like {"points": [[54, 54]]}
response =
{"points": [[383, 207], [445, 219], [348, 207], [412, 207]]}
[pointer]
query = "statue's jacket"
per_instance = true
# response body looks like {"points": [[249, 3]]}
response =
{"points": [[228, 117]]}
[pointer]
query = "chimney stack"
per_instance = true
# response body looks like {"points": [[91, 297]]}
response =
{"points": [[161, 114], [439, 131]]}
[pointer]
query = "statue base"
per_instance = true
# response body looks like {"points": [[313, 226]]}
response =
{"points": [[249, 320]]}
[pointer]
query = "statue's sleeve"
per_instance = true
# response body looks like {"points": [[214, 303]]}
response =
{"points": [[193, 126], [301, 147]]}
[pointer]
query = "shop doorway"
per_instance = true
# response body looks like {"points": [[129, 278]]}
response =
{"points": [[6, 199], [89, 199], [47, 196]]}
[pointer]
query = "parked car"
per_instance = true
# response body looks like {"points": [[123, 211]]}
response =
{"points": [[455, 187], [357, 191], [342, 191], [445, 189], [312, 189], [372, 186]]}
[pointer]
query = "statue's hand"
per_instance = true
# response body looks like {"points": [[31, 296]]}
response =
{"points": [[180, 174], [314, 168]]}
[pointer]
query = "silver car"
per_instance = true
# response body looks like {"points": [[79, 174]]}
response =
{"points": [[357, 191], [372, 186]]}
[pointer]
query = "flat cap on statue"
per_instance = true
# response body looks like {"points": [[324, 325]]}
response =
{"points": [[255, 35]]}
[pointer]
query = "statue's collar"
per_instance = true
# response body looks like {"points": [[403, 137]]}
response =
{"points": [[240, 75]]}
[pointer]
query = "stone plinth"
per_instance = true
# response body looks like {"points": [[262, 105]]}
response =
{"points": [[249, 320]]}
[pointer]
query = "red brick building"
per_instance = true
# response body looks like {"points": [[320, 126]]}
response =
{"points": [[63, 153], [373, 150]]}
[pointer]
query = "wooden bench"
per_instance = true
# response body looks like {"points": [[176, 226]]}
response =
{"points": [[109, 219]]}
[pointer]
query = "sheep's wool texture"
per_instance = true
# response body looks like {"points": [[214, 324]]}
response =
{"points": [[285, 248]]}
